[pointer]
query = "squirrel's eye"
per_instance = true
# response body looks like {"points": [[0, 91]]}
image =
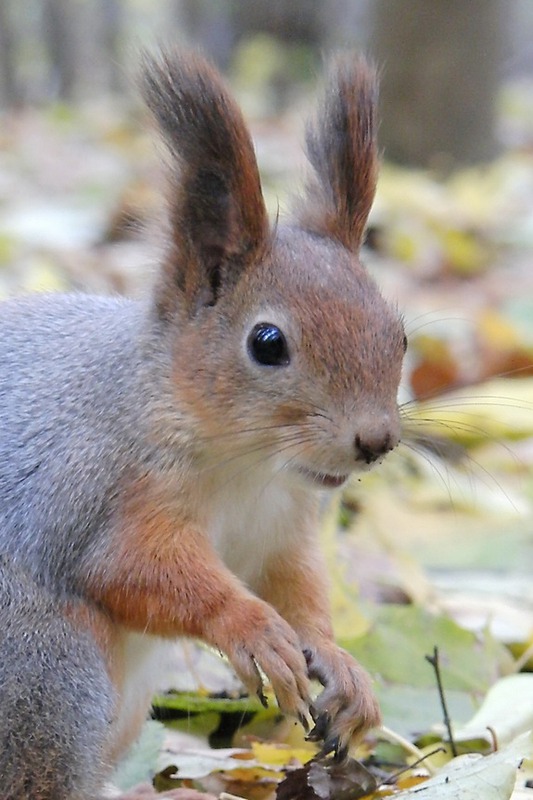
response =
{"points": [[267, 345], [405, 343]]}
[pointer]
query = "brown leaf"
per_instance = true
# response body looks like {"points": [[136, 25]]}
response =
{"points": [[325, 779]]}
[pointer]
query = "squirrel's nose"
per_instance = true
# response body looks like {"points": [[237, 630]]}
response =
{"points": [[371, 446]]}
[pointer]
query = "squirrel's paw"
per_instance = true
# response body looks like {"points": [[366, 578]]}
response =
{"points": [[258, 638], [347, 707]]}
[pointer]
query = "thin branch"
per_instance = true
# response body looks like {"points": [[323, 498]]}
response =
{"points": [[434, 661]]}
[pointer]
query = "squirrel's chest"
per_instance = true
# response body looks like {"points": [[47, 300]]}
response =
{"points": [[249, 522]]}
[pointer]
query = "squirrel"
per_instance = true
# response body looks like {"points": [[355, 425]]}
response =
{"points": [[162, 460]]}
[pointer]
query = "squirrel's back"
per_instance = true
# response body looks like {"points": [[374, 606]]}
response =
{"points": [[69, 369]]}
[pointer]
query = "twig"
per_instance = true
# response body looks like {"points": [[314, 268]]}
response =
{"points": [[434, 661], [393, 778]]}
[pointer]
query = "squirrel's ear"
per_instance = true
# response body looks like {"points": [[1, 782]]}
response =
{"points": [[217, 214], [342, 149]]}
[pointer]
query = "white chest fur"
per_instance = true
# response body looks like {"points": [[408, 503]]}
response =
{"points": [[249, 520]]}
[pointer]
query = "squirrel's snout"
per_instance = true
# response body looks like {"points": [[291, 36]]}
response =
{"points": [[371, 446]]}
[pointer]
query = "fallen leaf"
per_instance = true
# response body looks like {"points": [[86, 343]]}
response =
{"points": [[473, 776], [325, 779], [506, 712]]}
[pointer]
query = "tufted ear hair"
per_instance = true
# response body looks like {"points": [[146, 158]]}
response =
{"points": [[342, 149], [218, 218]]}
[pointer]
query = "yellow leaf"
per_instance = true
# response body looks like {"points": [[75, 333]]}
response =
{"points": [[279, 755], [463, 251], [496, 410], [498, 332]]}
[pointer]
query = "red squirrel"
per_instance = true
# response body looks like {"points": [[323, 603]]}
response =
{"points": [[162, 460]]}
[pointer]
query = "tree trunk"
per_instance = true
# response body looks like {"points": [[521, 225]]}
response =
{"points": [[9, 94], [58, 35], [112, 14], [440, 65]]}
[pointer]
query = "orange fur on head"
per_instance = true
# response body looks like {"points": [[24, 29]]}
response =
{"points": [[217, 212], [342, 149]]}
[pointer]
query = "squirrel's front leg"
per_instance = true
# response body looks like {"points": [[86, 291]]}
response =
{"points": [[295, 585], [159, 574]]}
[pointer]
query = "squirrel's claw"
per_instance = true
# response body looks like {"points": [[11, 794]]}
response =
{"points": [[304, 723], [322, 723], [263, 699]]}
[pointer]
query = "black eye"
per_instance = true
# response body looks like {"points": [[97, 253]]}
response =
{"points": [[268, 346], [405, 343]]}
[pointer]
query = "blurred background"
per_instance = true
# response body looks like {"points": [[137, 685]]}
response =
{"points": [[77, 171], [450, 238], [444, 63]]}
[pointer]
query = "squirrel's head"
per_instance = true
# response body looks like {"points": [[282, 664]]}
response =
{"points": [[282, 350]]}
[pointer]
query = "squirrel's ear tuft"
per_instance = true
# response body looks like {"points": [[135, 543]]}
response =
{"points": [[342, 149], [218, 218]]}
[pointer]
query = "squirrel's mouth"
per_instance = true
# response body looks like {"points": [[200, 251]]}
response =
{"points": [[322, 480]]}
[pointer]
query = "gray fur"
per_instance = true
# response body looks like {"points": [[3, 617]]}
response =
{"points": [[56, 701], [69, 367]]}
